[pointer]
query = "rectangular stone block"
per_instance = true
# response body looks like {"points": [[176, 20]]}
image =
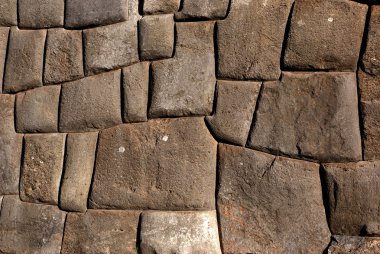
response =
{"points": [[369, 86], [41, 13], [8, 13], [160, 6], [371, 57], [203, 9], [371, 129], [4, 34]]}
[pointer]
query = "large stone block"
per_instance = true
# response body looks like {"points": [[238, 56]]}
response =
{"points": [[4, 33], [179, 232], [30, 228], [354, 244], [101, 232], [41, 13], [166, 164], [325, 35], [185, 84], [250, 39], [91, 103], [371, 129], [8, 13], [160, 6], [203, 9], [269, 204], [371, 57], [309, 115]]}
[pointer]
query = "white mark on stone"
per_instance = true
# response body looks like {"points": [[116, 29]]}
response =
{"points": [[301, 22], [41, 162], [330, 19], [32, 158], [265, 3], [165, 138], [241, 163], [121, 149]]}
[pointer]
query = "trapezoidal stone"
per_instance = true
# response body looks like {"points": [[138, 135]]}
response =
{"points": [[354, 244], [203, 9], [371, 57], [160, 6], [166, 164], [41, 13], [4, 34]]}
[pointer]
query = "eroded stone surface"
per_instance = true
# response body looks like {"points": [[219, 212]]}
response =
{"points": [[354, 244], [160, 6], [371, 57], [203, 9], [369, 86], [269, 204], [162, 164], [371, 129], [41, 13], [8, 13], [4, 33], [179, 232]]}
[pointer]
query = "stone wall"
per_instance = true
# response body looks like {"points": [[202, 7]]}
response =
{"points": [[189, 126]]}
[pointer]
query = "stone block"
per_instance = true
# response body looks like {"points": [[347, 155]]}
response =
{"points": [[64, 56], [235, 105], [37, 110], [371, 57], [91, 103], [8, 13], [30, 228], [354, 244], [269, 204], [325, 35], [203, 9], [41, 13], [78, 169], [309, 115], [160, 6], [185, 84], [4, 33], [24, 65], [369, 86], [166, 164], [371, 129], [250, 39], [42, 167], [156, 37]]}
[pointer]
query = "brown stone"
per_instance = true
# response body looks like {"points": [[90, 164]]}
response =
{"points": [[162, 164], [371, 129], [309, 115], [42, 167], [269, 204], [354, 244], [160, 6], [41, 13], [37, 110], [369, 86], [179, 232], [4, 33], [325, 35], [8, 13], [30, 228], [371, 57], [203, 9]]}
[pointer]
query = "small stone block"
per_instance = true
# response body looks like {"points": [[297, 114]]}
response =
{"points": [[371, 57], [8, 13], [203, 9], [4, 34], [41, 13], [160, 6], [371, 128]]}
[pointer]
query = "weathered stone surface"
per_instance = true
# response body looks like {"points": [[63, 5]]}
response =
{"points": [[162, 164], [24, 65], [10, 147], [371, 129], [4, 33], [354, 244], [91, 103], [269, 204], [371, 57], [203, 9], [325, 35], [42, 167], [83, 13], [64, 56], [8, 13], [369, 86], [235, 105], [30, 228], [101, 232], [250, 39], [156, 37], [41, 13], [179, 232], [110, 47], [37, 110], [185, 84], [135, 92], [312, 115], [78, 169], [353, 200], [160, 6]]}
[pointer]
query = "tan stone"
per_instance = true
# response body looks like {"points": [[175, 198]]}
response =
{"points": [[369, 86], [354, 244], [371, 128], [203, 9], [160, 6], [8, 13], [371, 57], [41, 13], [4, 33]]}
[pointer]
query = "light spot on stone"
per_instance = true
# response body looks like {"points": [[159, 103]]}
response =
{"points": [[301, 22], [241, 163], [32, 158], [41, 162], [121, 149], [165, 138], [330, 19]]}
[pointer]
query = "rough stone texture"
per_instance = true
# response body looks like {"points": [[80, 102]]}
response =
{"points": [[354, 244], [78, 169], [325, 35], [371, 129], [8, 12], [369, 86], [371, 57], [312, 115], [64, 56], [162, 164], [10, 147], [203, 9], [156, 37], [4, 33], [135, 92], [41, 13], [250, 39], [37, 110], [91, 103], [353, 201], [160, 6], [101, 232], [269, 204], [179, 232], [24, 65], [42, 167], [30, 228], [236, 103], [185, 84]]}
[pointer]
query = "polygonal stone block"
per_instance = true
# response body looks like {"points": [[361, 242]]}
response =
{"points": [[160, 6], [203, 9], [354, 244], [8, 13], [41, 13], [371, 128], [4, 33], [371, 57]]}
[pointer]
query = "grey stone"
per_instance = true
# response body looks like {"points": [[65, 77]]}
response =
{"points": [[269, 204], [78, 169], [8, 13], [235, 105], [325, 35], [37, 110], [371, 57], [179, 232], [135, 92], [42, 167], [4, 33], [160, 6], [369, 86], [371, 128], [162, 164], [309, 115], [203, 9], [250, 39], [30, 228], [354, 244], [185, 84], [156, 37], [41, 13], [64, 56], [24, 65], [91, 103]]}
